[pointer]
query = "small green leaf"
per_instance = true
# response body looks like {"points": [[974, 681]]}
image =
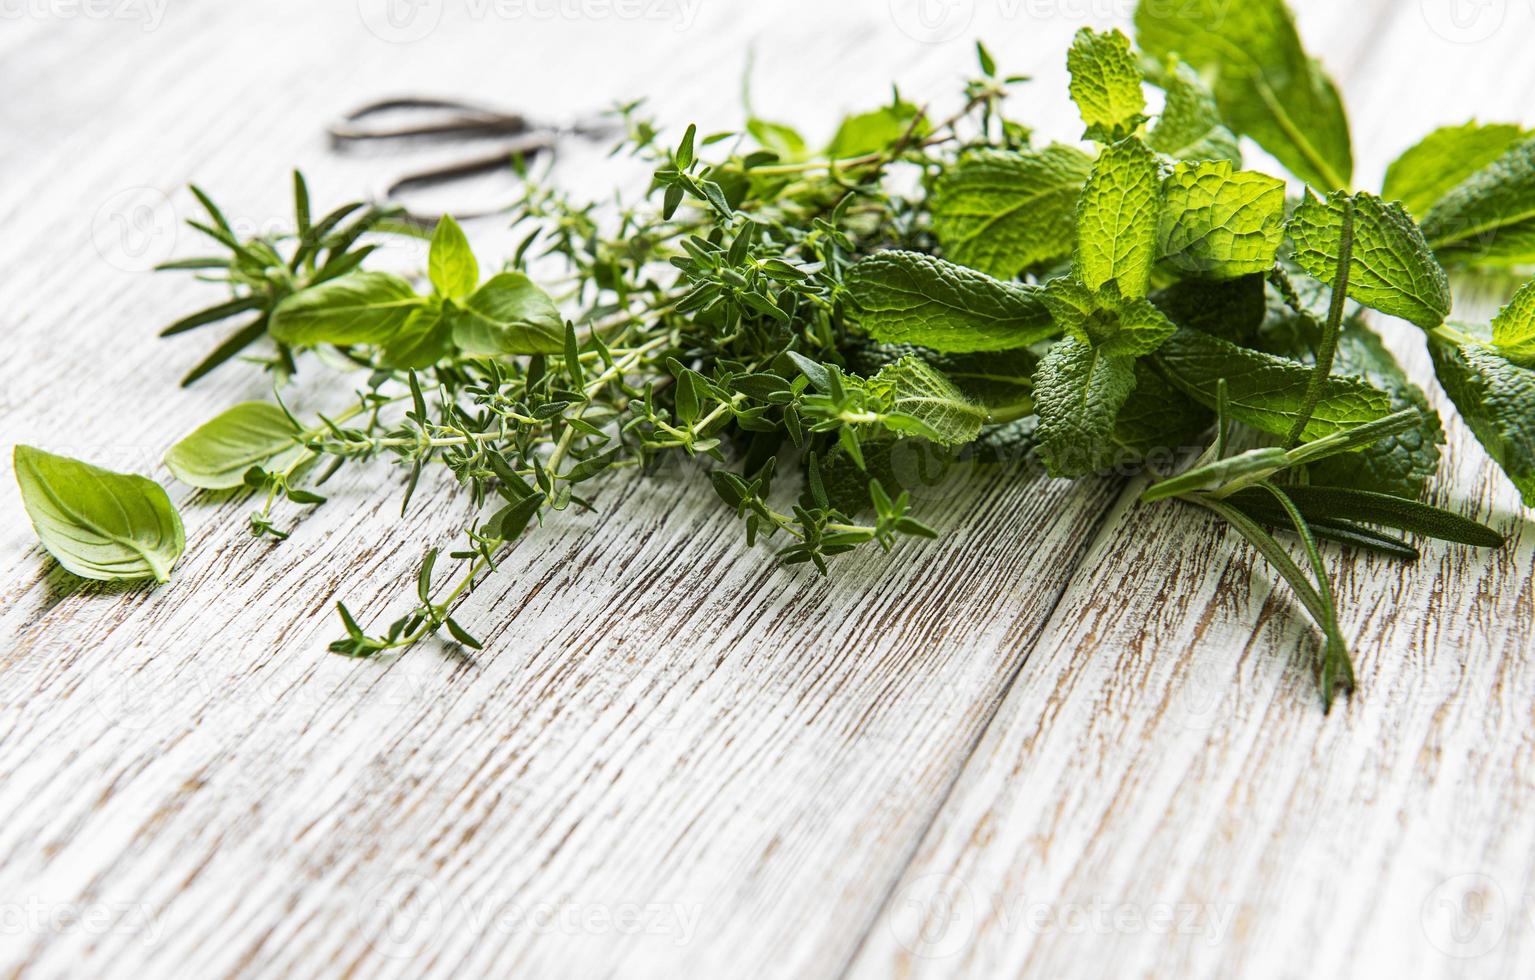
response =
{"points": [[362, 308], [1489, 218], [910, 298], [1078, 392], [1117, 219], [99, 524], [1106, 85], [216, 455], [1391, 269], [1496, 399], [1190, 127], [921, 401], [509, 315], [1513, 329], [870, 132], [1222, 471], [452, 266], [1001, 212], [1221, 224], [1423, 175], [1112, 324]]}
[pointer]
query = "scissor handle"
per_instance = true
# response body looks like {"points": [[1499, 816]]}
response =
{"points": [[465, 120]]}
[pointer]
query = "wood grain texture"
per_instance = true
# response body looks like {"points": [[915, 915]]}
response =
{"points": [[670, 760]]}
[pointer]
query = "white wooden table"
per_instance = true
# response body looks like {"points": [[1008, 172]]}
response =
{"points": [[1077, 738]]}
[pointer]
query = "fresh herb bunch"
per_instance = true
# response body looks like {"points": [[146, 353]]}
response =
{"points": [[918, 288]]}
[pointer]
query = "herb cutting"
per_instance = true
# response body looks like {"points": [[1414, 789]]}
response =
{"points": [[811, 324]]}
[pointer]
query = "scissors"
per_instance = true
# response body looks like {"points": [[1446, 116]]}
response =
{"points": [[422, 120]]}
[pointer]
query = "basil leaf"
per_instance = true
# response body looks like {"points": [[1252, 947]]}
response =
{"points": [[1423, 175], [1221, 224], [509, 315], [1513, 329], [1117, 219], [1001, 212], [910, 298], [1266, 86], [1496, 399], [361, 308], [1264, 391], [424, 339], [99, 524], [216, 455], [1111, 323], [1391, 268], [451, 265], [1106, 85], [1489, 218], [1078, 392], [1190, 127], [921, 401]]}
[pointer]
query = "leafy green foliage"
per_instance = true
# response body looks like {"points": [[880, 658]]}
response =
{"points": [[362, 308], [1116, 325], [1220, 224], [1391, 267], [1513, 329], [1190, 127], [1488, 218], [1422, 176], [1497, 400], [99, 524], [218, 453], [1265, 84], [1106, 85], [910, 298], [1002, 212], [509, 315], [1117, 219], [1078, 392]]}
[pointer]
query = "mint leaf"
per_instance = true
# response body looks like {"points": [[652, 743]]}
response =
{"points": [[1158, 420], [1117, 219], [1106, 85], [1513, 329], [217, 453], [1489, 218], [99, 524], [1497, 400], [1266, 86], [362, 308], [1230, 308], [509, 315], [1391, 269], [1426, 173], [1221, 224], [1001, 212], [1190, 127], [1078, 392], [451, 264], [1112, 324], [920, 401], [999, 380], [910, 298], [1264, 391]]}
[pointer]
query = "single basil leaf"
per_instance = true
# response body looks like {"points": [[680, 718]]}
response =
{"points": [[1264, 391], [361, 308], [1513, 329], [451, 265], [1233, 309], [1111, 323], [1497, 400], [1117, 219], [1190, 127], [1078, 392], [870, 132], [99, 524], [920, 401], [1391, 269], [1426, 173], [1489, 218], [1106, 85], [910, 298], [509, 315], [425, 339], [1220, 224], [1266, 86], [1001, 212], [216, 455]]}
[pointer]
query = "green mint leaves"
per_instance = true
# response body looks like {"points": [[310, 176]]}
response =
{"points": [[1265, 84], [1221, 224], [910, 298], [1421, 177], [99, 524], [1117, 219], [1489, 218], [1106, 85], [1003, 212], [1078, 391]]}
